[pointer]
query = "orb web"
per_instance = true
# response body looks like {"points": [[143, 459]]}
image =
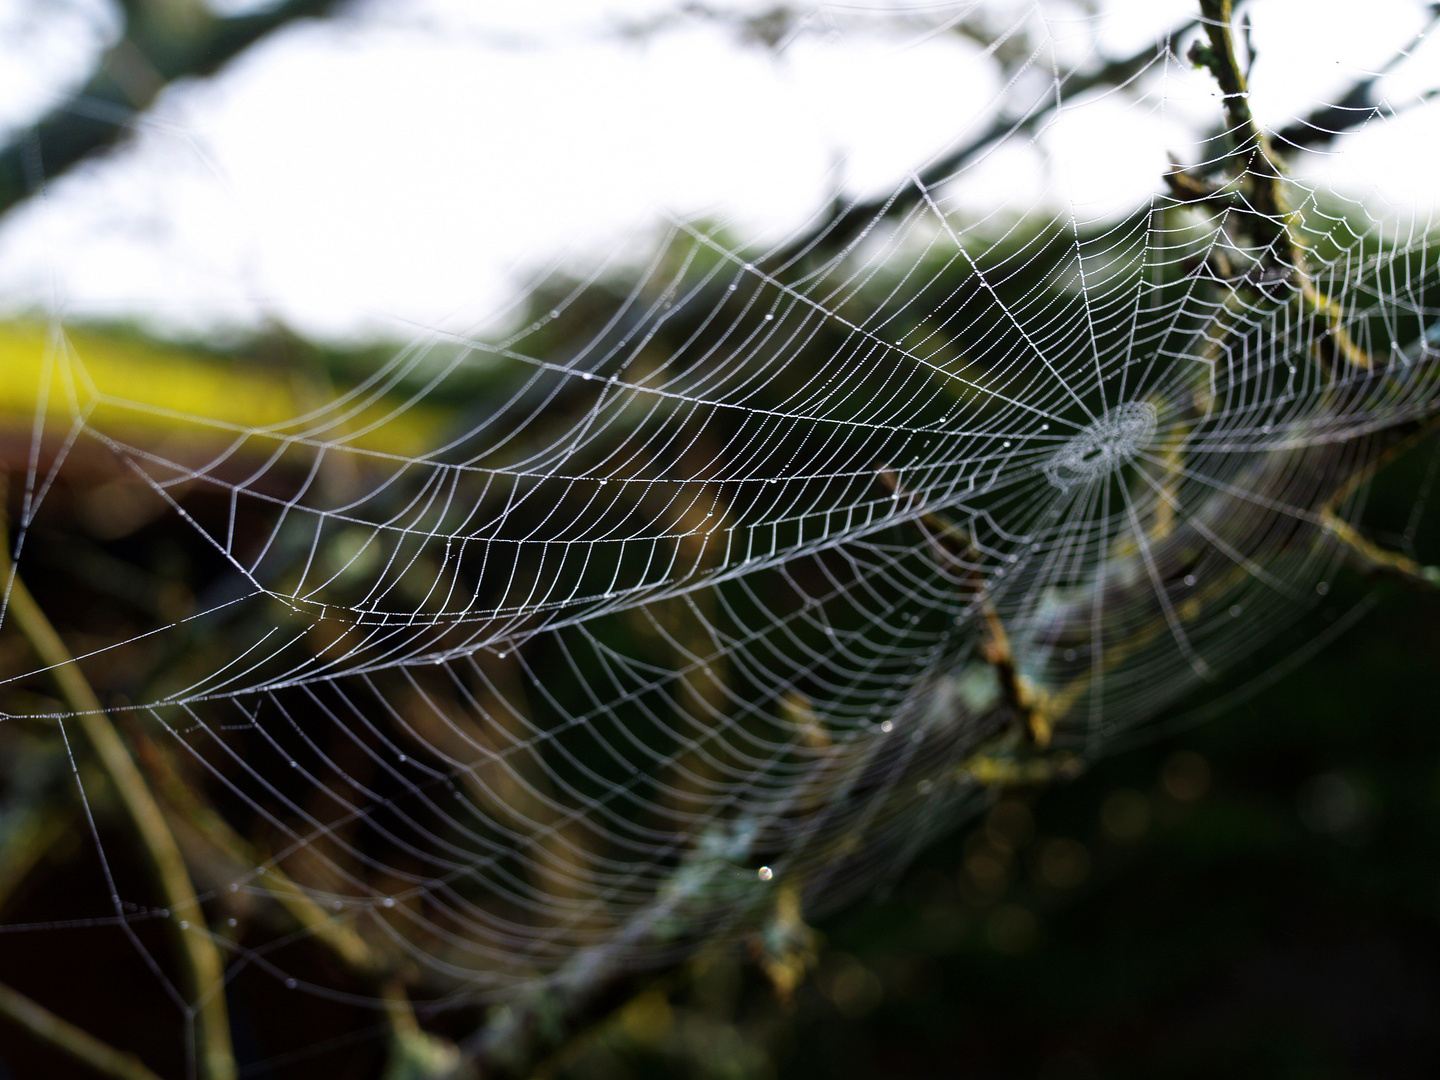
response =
{"points": [[1103, 446], [747, 570]]}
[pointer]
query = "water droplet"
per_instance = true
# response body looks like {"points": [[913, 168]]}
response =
{"points": [[768, 316], [1190, 579], [765, 873], [184, 924], [232, 922], [389, 901], [290, 984], [554, 313], [887, 727], [1235, 611], [1070, 654], [1322, 587]]}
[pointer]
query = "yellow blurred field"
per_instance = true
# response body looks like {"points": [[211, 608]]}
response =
{"points": [[159, 391]]}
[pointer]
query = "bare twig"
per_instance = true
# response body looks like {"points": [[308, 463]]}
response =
{"points": [[1271, 221], [199, 960], [208, 828], [61, 1035], [413, 1053], [1371, 557]]}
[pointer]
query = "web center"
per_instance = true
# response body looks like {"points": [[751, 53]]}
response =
{"points": [[1102, 447]]}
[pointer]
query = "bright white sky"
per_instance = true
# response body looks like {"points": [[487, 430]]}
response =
{"points": [[410, 164]]}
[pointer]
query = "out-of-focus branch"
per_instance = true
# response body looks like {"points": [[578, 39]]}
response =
{"points": [[154, 51], [846, 224], [1357, 106], [208, 827], [75, 1043], [199, 961], [42, 830]]}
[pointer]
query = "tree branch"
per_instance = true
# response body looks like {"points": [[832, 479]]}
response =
{"points": [[1258, 193]]}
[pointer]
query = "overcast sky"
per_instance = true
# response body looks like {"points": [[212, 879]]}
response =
{"points": [[411, 163]]}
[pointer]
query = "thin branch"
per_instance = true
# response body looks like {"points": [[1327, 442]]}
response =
{"points": [[1251, 155], [413, 1052], [61, 1035], [1369, 556], [1272, 223], [201, 968], [207, 827]]}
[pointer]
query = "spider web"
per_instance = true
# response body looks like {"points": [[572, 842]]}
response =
{"points": [[741, 572]]}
